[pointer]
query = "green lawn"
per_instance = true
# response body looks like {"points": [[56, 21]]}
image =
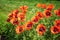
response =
{"points": [[7, 30]]}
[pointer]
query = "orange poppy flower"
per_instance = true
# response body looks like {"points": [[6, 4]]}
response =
{"points": [[35, 19], [21, 17], [15, 11], [43, 6], [13, 14], [50, 7], [47, 13], [40, 15], [10, 15], [38, 5], [14, 21], [19, 29], [28, 25], [54, 30], [41, 29], [57, 12], [57, 23], [23, 7], [24, 11]]}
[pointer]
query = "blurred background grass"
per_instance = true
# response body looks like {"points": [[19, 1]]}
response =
{"points": [[7, 30]]}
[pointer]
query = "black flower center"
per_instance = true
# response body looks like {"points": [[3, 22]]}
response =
{"points": [[48, 13], [29, 25], [41, 29], [8, 20], [15, 22], [20, 29], [55, 30], [35, 20]]}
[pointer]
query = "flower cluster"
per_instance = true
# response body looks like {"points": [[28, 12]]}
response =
{"points": [[56, 28], [12, 17], [44, 6], [16, 16]]}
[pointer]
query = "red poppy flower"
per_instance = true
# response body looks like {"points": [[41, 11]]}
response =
{"points": [[23, 7], [21, 17], [57, 12], [28, 25], [19, 29], [38, 5], [35, 19], [54, 30], [14, 21], [57, 23], [47, 13], [43, 6], [40, 15], [41, 29], [50, 7]]}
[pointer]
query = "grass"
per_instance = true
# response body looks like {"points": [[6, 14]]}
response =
{"points": [[7, 30]]}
